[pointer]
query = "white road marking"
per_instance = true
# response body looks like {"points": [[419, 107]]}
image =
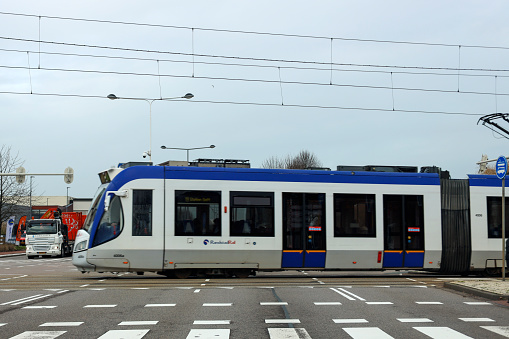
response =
{"points": [[38, 334], [160, 305], [3, 324], [502, 330], [273, 303], [349, 321], [27, 299], [477, 303], [441, 332], [327, 303], [288, 333], [429, 303], [137, 323], [383, 286], [38, 307], [96, 289], [366, 332], [415, 320], [227, 287], [211, 322], [124, 334], [475, 319], [84, 285], [76, 323], [63, 291], [197, 291], [343, 294], [140, 288], [209, 333], [379, 303], [99, 306], [217, 304], [353, 295], [282, 321]]}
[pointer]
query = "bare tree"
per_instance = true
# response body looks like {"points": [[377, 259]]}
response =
{"points": [[12, 194], [304, 159]]}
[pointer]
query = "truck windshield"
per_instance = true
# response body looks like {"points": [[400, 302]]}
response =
{"points": [[41, 227]]}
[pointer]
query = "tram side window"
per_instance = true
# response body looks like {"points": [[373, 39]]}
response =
{"points": [[111, 224], [495, 217], [354, 215], [197, 213], [252, 214], [142, 212]]}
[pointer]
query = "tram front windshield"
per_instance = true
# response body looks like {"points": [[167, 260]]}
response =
{"points": [[93, 209], [42, 227]]}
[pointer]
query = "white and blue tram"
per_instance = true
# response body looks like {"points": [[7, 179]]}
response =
{"points": [[179, 221]]}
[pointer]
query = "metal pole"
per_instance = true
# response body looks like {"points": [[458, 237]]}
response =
{"points": [[503, 229], [187, 157], [31, 197]]}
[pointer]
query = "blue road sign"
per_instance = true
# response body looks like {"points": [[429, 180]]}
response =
{"points": [[501, 167]]}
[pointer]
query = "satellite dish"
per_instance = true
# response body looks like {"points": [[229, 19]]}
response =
{"points": [[20, 177], [68, 175]]}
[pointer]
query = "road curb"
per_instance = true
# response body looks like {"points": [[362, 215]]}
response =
{"points": [[475, 291], [11, 255]]}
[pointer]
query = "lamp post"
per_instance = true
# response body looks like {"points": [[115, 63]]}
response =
{"points": [[188, 149], [67, 199], [150, 101], [31, 177]]}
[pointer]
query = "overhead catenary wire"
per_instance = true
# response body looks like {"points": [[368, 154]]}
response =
{"points": [[246, 58], [367, 109], [278, 81], [254, 32], [328, 68]]}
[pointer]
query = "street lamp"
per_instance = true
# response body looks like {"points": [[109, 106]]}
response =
{"points": [[150, 101], [187, 149]]}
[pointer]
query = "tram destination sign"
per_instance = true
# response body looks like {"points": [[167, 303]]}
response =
{"points": [[501, 167]]}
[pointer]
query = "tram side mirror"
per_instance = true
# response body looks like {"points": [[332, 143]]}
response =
{"points": [[107, 199]]}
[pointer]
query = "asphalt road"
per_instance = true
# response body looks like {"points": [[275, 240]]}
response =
{"points": [[49, 298]]}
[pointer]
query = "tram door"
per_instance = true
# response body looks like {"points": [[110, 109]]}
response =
{"points": [[303, 230], [403, 231]]}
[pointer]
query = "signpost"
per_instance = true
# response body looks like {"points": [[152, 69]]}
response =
{"points": [[501, 168]]}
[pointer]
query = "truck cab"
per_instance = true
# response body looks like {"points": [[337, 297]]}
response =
{"points": [[46, 237]]}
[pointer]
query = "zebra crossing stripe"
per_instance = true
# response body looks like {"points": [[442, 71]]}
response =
{"points": [[502, 330], [124, 334], [209, 333], [137, 323], [441, 332], [288, 333], [76, 323], [415, 320], [475, 319], [349, 321], [367, 332], [38, 334]]}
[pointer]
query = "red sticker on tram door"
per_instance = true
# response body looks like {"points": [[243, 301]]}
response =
{"points": [[315, 228], [414, 229]]}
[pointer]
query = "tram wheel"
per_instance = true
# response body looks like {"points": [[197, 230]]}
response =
{"points": [[183, 273], [492, 271], [242, 273]]}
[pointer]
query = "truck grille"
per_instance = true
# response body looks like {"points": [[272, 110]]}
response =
{"points": [[41, 248]]}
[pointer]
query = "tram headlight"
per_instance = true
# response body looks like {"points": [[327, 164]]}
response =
{"points": [[80, 246]]}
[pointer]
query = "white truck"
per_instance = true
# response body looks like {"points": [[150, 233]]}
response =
{"points": [[47, 237]]}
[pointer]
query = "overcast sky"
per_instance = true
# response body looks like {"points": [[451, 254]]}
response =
{"points": [[328, 79]]}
